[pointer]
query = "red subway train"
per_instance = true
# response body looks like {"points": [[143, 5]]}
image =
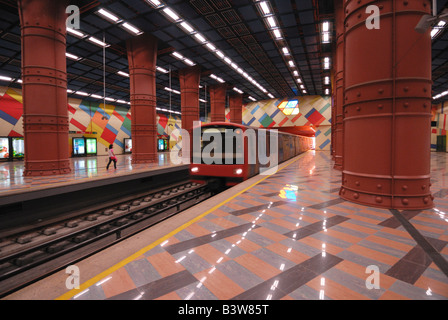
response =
{"points": [[232, 153]]}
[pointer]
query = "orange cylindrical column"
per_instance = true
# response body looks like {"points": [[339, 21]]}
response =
{"points": [[235, 105], [189, 87], [44, 75], [218, 102], [387, 106], [339, 86], [142, 58]]}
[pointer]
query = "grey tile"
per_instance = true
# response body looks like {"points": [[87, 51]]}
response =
{"points": [[240, 275], [413, 292], [142, 272], [304, 293], [273, 258], [224, 245], [153, 251], [196, 291], [363, 261], [192, 262], [301, 247], [274, 227], [354, 283], [396, 238], [322, 236], [92, 293], [382, 248], [259, 239], [159, 287]]}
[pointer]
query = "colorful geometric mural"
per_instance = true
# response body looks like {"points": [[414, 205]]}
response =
{"points": [[109, 124], [313, 111], [439, 126]]}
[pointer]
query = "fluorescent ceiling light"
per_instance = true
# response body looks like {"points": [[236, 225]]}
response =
{"points": [[131, 28], [70, 91], [98, 42], [291, 63], [187, 27], [200, 37], [168, 89], [211, 46], [173, 15], [162, 70], [227, 60], [19, 81], [296, 73], [189, 62], [237, 90], [437, 29], [5, 78], [124, 74], [154, 3], [277, 34], [299, 80], [270, 96], [285, 51], [302, 86], [109, 99], [81, 93], [202, 100], [76, 33], [253, 99], [72, 56], [327, 80], [176, 92], [265, 8], [220, 54], [271, 22], [121, 101], [178, 55], [325, 26], [96, 96], [326, 37], [304, 91], [108, 15], [327, 91]]}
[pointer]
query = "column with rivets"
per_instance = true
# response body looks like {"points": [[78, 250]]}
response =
{"points": [[189, 87], [44, 76], [339, 86], [387, 105], [142, 58], [235, 105], [218, 102]]}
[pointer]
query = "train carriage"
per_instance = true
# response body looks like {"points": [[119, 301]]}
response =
{"points": [[233, 152]]}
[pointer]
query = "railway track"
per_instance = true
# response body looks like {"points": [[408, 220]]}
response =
{"points": [[31, 256]]}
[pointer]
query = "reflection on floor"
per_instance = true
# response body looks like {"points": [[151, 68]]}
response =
{"points": [[292, 237], [11, 173]]}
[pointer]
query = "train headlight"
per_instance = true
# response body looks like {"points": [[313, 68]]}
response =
{"points": [[194, 169], [238, 171]]}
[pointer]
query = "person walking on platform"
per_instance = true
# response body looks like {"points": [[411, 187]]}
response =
{"points": [[112, 157]]}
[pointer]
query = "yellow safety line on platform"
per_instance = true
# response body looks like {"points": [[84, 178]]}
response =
{"points": [[129, 259]]}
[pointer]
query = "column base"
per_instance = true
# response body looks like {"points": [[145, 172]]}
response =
{"points": [[421, 202]]}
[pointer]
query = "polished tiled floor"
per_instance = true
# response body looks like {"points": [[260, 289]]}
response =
{"points": [[11, 173], [291, 237]]}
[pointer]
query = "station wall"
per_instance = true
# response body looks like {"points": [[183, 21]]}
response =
{"points": [[439, 126], [314, 111], [86, 119]]}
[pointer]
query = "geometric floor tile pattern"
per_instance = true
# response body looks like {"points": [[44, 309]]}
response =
{"points": [[292, 237]]}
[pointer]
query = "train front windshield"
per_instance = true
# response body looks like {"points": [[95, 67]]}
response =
{"points": [[220, 146]]}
